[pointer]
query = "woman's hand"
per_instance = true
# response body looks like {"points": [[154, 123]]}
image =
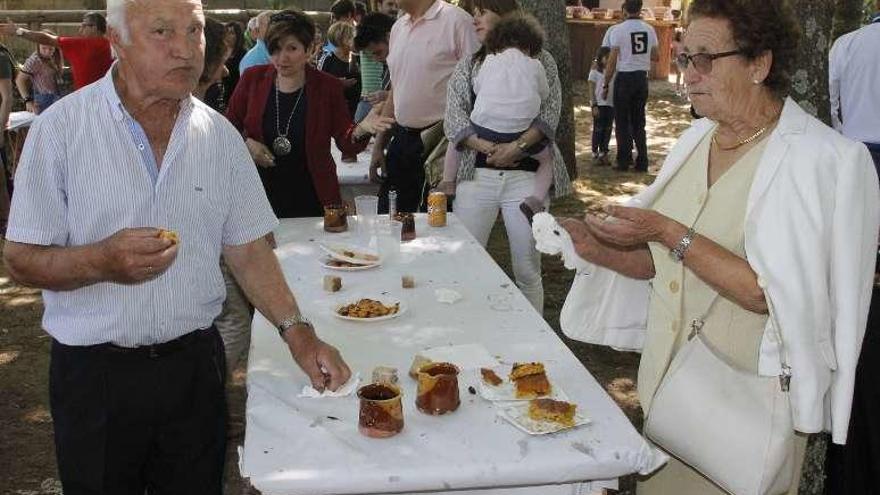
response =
{"points": [[630, 227], [585, 244], [480, 145], [506, 155], [374, 123], [260, 153]]}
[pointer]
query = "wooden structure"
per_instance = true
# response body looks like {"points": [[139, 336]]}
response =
{"points": [[585, 37]]}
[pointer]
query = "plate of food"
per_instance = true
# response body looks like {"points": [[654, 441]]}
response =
{"points": [[543, 416], [520, 382], [367, 309], [350, 254], [345, 266]]}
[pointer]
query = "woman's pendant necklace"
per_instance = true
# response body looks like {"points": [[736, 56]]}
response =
{"points": [[281, 146]]}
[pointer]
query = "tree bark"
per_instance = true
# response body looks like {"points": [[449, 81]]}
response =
{"points": [[810, 78], [848, 17], [551, 14]]}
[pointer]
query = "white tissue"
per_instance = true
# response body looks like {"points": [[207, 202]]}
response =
{"points": [[350, 386], [552, 238], [447, 296]]}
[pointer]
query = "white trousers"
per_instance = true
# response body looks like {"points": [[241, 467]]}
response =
{"points": [[234, 322], [477, 203]]}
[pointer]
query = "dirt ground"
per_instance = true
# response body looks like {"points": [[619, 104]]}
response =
{"points": [[27, 454]]}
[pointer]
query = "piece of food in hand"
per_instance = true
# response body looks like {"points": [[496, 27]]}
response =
{"points": [[418, 362], [169, 235], [490, 377], [332, 284], [530, 380], [407, 282], [368, 308], [555, 411]]}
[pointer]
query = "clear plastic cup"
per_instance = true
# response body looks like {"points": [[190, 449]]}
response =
{"points": [[366, 208]]}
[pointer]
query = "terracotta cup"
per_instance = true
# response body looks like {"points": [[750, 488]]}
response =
{"points": [[381, 410], [437, 391]]}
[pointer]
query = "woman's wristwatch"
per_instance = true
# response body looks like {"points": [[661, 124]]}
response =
{"points": [[681, 248], [292, 321]]}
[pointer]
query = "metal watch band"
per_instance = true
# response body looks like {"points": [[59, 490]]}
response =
{"points": [[522, 145], [292, 321], [679, 250]]}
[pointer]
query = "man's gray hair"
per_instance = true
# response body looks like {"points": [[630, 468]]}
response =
{"points": [[116, 18]]}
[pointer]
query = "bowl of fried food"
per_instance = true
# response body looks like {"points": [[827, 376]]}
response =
{"points": [[368, 309]]}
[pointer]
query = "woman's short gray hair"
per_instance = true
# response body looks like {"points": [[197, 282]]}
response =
{"points": [[116, 18]]}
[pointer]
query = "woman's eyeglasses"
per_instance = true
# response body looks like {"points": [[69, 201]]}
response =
{"points": [[702, 62]]}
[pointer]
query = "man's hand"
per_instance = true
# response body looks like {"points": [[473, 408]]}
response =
{"points": [[131, 256], [320, 361], [30, 107], [377, 165], [260, 153], [505, 156], [374, 122], [349, 82]]}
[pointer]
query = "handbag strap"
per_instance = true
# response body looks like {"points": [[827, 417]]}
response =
{"points": [[697, 323]]}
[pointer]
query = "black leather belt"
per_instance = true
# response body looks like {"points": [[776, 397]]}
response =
{"points": [[155, 351], [413, 130]]}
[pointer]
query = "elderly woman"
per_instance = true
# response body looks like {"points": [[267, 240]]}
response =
{"points": [[762, 223], [501, 179], [288, 111]]}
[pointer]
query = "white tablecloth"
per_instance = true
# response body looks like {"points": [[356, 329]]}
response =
{"points": [[312, 446], [354, 178]]}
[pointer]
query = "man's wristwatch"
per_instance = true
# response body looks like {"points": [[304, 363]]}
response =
{"points": [[522, 145], [292, 321]]}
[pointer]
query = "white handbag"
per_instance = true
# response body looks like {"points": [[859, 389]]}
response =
{"points": [[729, 424]]}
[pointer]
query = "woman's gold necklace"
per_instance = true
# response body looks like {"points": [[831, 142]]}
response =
{"points": [[744, 142], [760, 132]]}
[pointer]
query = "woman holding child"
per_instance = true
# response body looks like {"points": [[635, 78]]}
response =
{"points": [[500, 165]]}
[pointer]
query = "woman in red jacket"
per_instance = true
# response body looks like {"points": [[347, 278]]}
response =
{"points": [[288, 112]]}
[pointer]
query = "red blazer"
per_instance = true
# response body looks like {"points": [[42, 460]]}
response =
{"points": [[327, 116]]}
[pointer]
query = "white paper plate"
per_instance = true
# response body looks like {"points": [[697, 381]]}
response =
{"points": [[384, 300], [350, 254], [506, 391], [518, 415], [325, 264]]}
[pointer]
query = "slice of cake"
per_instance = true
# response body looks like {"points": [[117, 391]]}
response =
{"points": [[520, 370], [555, 411], [490, 377], [532, 386], [530, 380]]}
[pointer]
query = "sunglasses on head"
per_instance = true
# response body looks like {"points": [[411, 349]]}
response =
{"points": [[282, 16], [702, 62]]}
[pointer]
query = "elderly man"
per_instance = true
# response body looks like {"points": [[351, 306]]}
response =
{"points": [[88, 54], [137, 373], [425, 45], [258, 54]]}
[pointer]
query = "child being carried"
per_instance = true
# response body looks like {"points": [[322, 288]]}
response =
{"points": [[509, 88]]}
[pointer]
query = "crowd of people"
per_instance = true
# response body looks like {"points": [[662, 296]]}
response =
{"points": [[759, 235]]}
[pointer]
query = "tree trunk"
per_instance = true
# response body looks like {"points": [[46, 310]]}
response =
{"points": [[848, 17], [810, 78], [551, 14]]}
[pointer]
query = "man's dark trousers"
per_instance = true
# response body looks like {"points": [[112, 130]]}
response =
{"points": [[405, 170], [144, 421], [630, 98]]}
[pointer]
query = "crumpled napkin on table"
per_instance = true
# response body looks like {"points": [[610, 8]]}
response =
{"points": [[350, 386], [447, 296]]}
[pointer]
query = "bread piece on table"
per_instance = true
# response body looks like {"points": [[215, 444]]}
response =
{"points": [[556, 411], [332, 283]]}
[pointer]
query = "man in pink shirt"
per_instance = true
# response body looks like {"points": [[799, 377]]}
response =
{"points": [[424, 46]]}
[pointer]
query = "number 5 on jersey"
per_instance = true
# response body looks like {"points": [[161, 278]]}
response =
{"points": [[639, 42]]}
